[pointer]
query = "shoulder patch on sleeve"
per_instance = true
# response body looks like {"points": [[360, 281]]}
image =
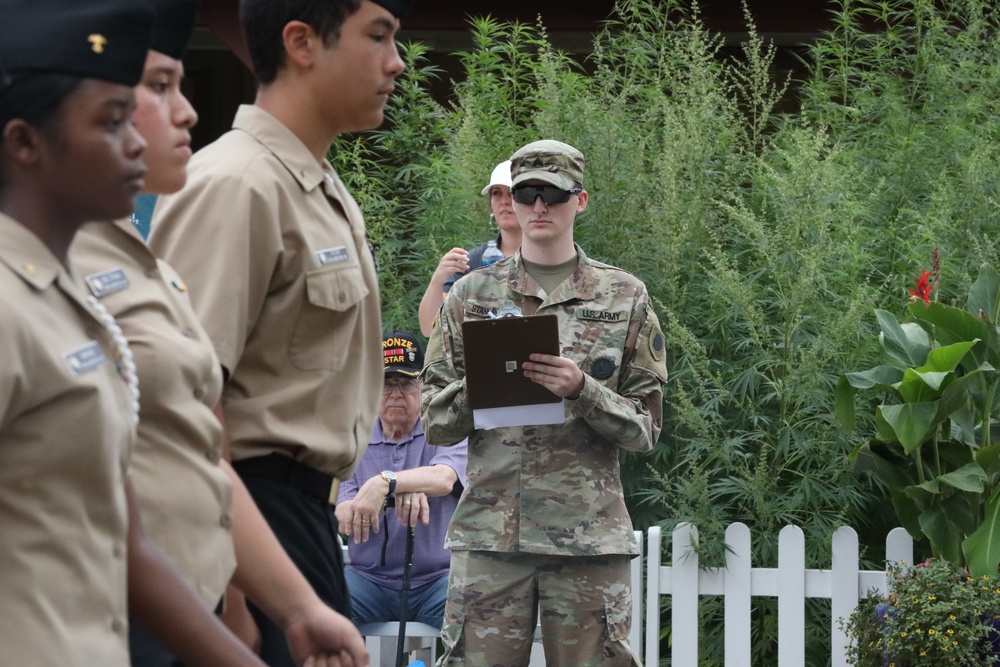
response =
{"points": [[651, 347]]}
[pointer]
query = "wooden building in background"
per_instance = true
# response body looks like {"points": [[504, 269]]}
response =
{"points": [[219, 79]]}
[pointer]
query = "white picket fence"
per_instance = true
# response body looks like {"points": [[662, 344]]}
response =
{"points": [[791, 583]]}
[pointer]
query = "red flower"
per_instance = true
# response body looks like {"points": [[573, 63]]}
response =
{"points": [[923, 290]]}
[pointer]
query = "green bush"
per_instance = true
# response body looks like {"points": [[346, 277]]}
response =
{"points": [[765, 240]]}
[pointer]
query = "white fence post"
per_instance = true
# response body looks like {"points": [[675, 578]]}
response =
{"points": [[653, 548], [899, 548], [684, 603], [844, 590], [791, 597], [738, 591]]}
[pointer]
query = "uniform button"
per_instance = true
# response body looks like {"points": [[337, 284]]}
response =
{"points": [[188, 333], [226, 521], [118, 551], [152, 274], [214, 455], [198, 393], [342, 296], [29, 268], [118, 626]]}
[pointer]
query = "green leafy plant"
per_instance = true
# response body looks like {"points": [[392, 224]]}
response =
{"points": [[765, 237], [933, 447], [935, 614]]}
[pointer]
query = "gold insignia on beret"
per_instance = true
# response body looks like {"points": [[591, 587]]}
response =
{"points": [[97, 42]]}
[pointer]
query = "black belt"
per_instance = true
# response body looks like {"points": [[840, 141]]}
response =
{"points": [[283, 469]]}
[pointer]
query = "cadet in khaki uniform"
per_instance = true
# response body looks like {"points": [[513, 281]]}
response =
{"points": [[73, 555], [274, 251], [183, 485], [543, 518]]}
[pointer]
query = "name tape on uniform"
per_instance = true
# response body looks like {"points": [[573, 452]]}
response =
{"points": [[332, 255], [601, 315], [84, 359], [107, 282]]}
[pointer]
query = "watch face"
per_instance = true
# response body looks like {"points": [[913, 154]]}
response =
{"points": [[388, 474]]}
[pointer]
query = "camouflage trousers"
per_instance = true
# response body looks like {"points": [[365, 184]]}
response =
{"points": [[494, 602]]}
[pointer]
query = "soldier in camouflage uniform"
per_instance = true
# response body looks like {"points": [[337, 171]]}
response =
{"points": [[542, 523]]}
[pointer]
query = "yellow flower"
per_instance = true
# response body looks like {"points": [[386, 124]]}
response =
{"points": [[952, 617], [932, 631]]}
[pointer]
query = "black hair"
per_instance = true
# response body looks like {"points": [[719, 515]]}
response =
{"points": [[34, 96], [264, 20]]}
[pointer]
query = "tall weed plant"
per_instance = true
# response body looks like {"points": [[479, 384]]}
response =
{"points": [[766, 241]]}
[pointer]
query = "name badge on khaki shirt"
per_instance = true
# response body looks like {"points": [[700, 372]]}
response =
{"points": [[107, 282], [332, 255], [84, 359], [601, 315]]}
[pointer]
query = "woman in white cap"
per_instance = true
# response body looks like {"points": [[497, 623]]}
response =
{"points": [[457, 262]]}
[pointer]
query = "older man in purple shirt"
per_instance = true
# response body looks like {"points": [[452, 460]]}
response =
{"points": [[425, 482]]}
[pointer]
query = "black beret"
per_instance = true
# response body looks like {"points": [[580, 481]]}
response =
{"points": [[173, 25], [399, 8], [98, 39]]}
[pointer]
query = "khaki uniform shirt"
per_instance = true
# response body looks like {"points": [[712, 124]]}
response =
{"points": [[185, 497], [273, 249], [552, 489], [66, 430]]}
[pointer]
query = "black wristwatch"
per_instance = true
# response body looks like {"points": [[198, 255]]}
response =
{"points": [[390, 477]]}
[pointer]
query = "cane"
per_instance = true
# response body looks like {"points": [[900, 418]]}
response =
{"points": [[404, 597]]}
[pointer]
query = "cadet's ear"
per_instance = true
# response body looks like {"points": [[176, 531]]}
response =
{"points": [[22, 142], [300, 42], [581, 201]]}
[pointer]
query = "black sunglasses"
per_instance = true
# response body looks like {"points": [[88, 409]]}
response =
{"points": [[550, 194]]}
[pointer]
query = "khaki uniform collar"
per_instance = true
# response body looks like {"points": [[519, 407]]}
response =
{"points": [[282, 143]]}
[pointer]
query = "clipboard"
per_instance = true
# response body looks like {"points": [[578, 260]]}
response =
{"points": [[495, 351]]}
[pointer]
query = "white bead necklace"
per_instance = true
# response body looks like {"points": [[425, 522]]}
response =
{"points": [[124, 361]]}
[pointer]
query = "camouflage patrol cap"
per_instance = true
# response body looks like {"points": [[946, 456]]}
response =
{"points": [[549, 161]]}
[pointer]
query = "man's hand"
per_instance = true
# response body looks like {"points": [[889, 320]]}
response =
{"points": [[559, 375], [359, 517], [413, 507], [320, 637]]}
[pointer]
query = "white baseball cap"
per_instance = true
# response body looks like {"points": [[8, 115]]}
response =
{"points": [[500, 176]]}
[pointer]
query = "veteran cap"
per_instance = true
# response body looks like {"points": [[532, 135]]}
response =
{"points": [[399, 8], [173, 25], [97, 39], [549, 161], [402, 353]]}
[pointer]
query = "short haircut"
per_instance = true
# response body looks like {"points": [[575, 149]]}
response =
{"points": [[34, 97], [264, 20]]}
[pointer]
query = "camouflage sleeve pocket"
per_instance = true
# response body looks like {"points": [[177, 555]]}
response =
{"points": [[650, 348]]}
